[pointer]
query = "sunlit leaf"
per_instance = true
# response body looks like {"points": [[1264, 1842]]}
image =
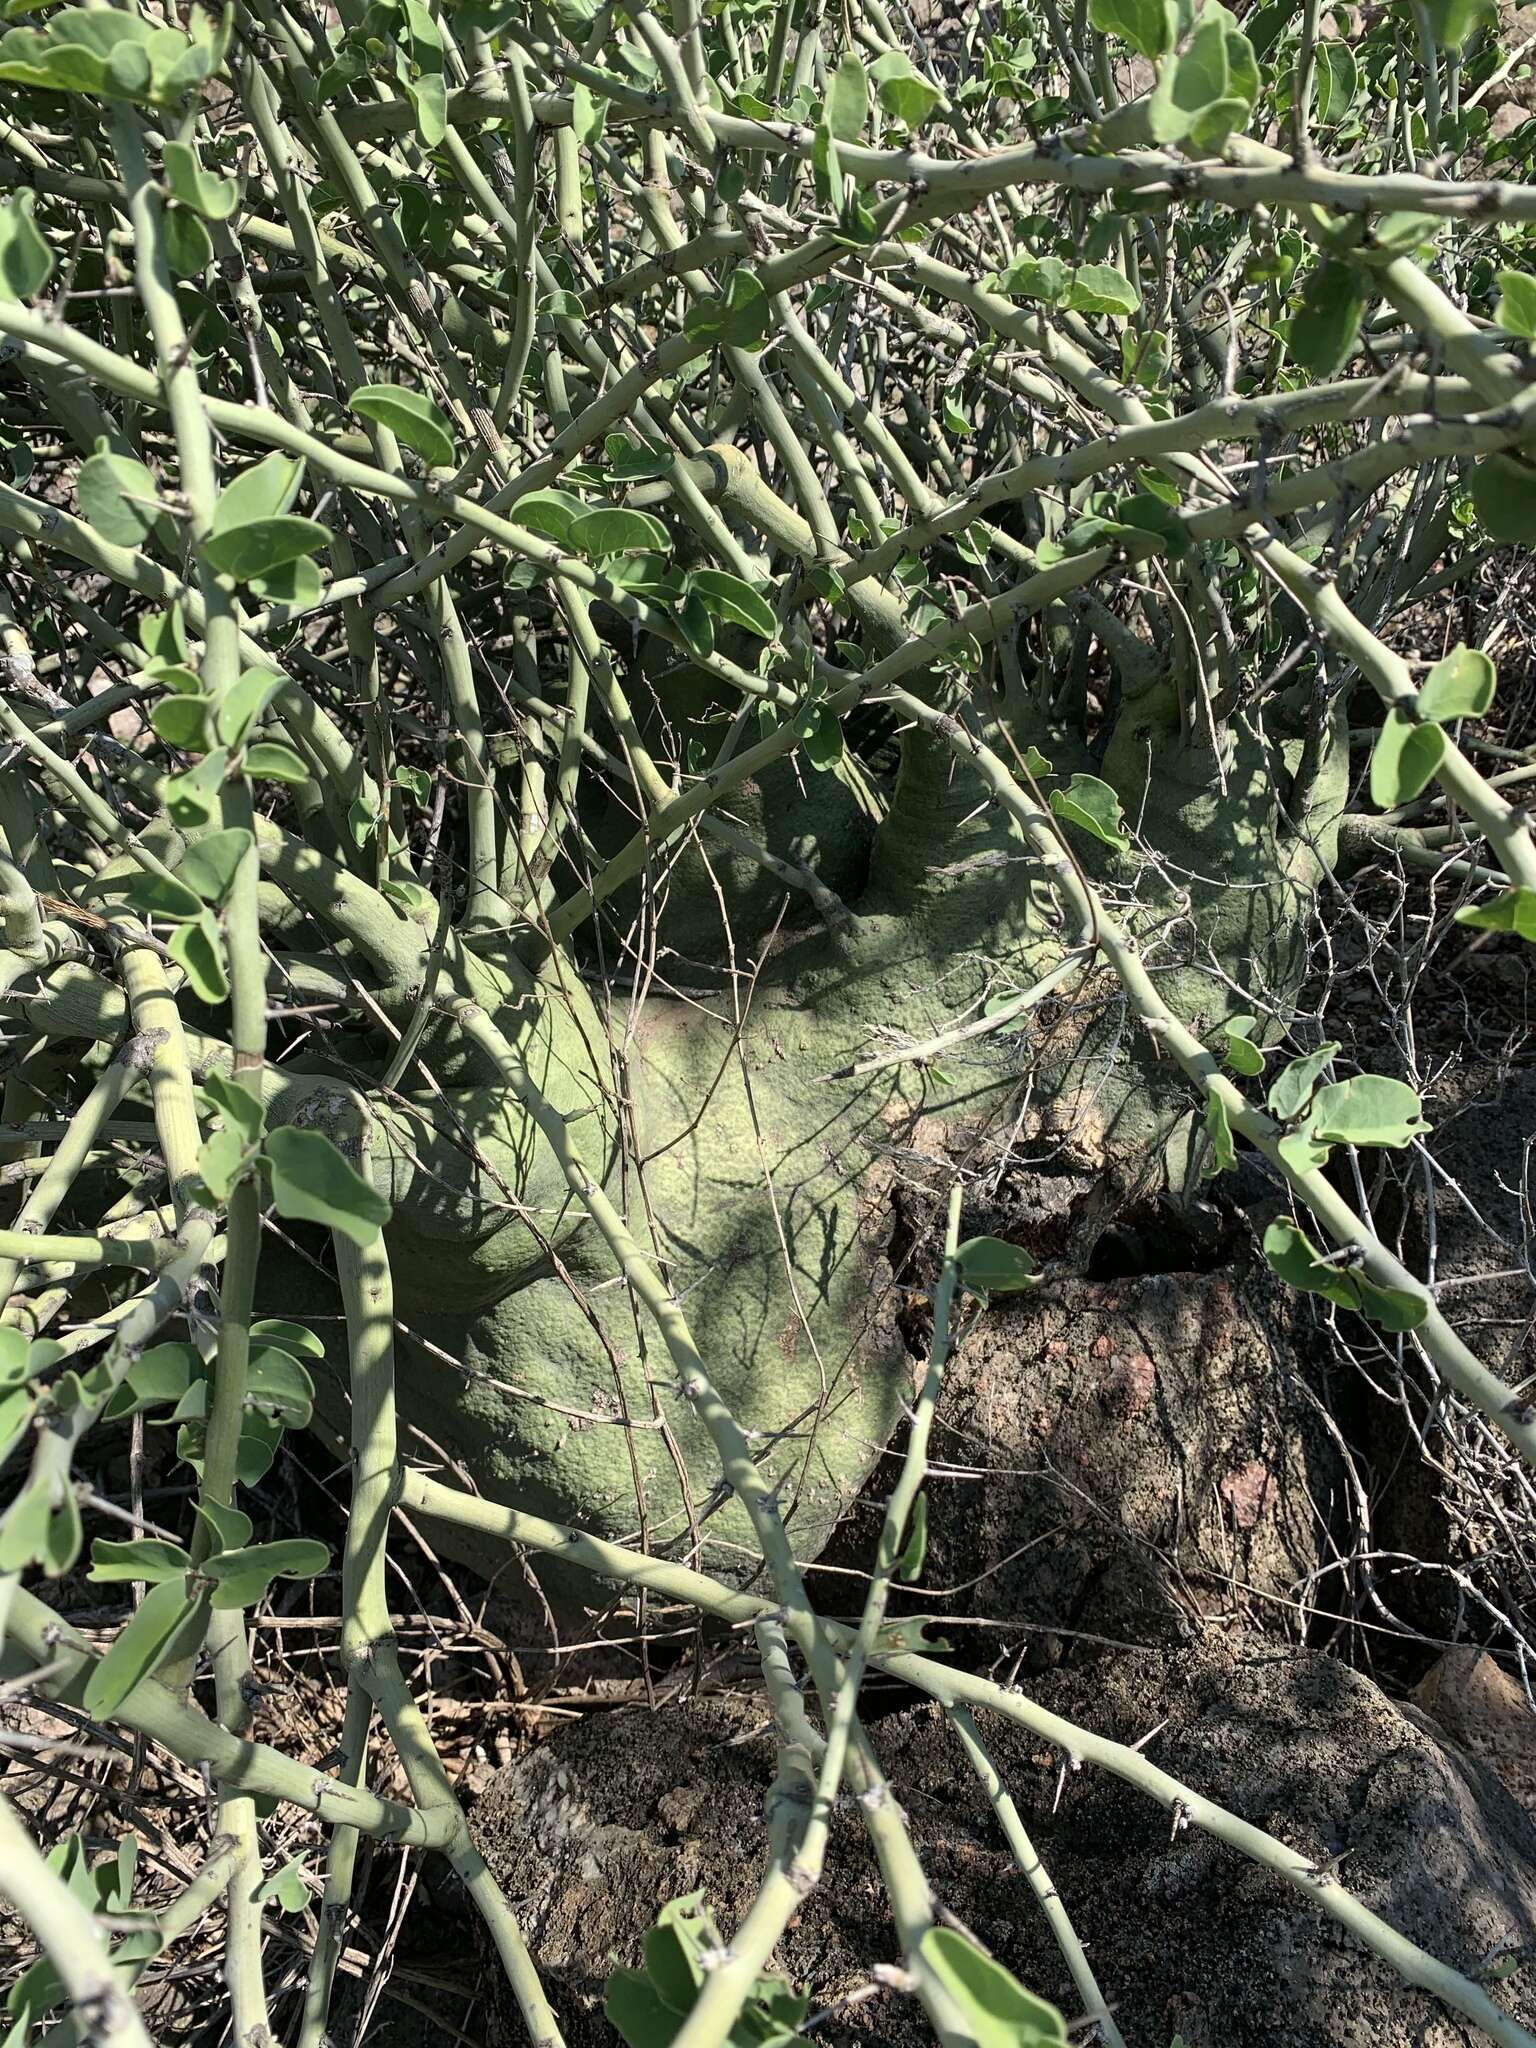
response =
{"points": [[213, 197], [1093, 807], [997, 2010], [1294, 1086], [1242, 1055], [145, 1557], [26, 261], [1404, 759], [411, 417], [241, 1577], [140, 1647], [738, 318], [1513, 911], [1460, 686], [120, 498], [251, 550], [198, 948], [1367, 1109], [729, 597], [1516, 310], [902, 90], [313, 1183], [615, 530], [847, 106], [1504, 497], [209, 864]]}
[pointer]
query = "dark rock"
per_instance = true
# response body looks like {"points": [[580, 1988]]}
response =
{"points": [[1120, 1457]]}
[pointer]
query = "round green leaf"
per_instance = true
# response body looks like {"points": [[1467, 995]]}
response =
{"points": [[263, 491], [1189, 86], [1514, 911], [1392, 1308], [312, 1183], [821, 737], [1100, 288], [264, 544], [211, 863], [192, 798], [1504, 498], [1326, 325], [229, 1527], [120, 498], [197, 947], [1292, 1254], [729, 597], [1516, 310], [1299, 1263], [1045, 278], [275, 761], [1451, 22], [905, 94], [916, 1548], [26, 261], [15, 1354], [1461, 686], [695, 623], [157, 1380], [223, 1161], [141, 1646], [738, 318], [1404, 759], [553, 514], [1092, 806], [298, 582], [847, 107], [1337, 80], [290, 1337], [16, 1410], [1150, 26], [146, 1558], [286, 1887], [241, 1577], [1218, 1133], [182, 722], [243, 703], [990, 1265], [24, 1526], [998, 2011], [277, 1385], [1294, 1086], [1367, 1109], [155, 895], [615, 530], [213, 197], [411, 417], [188, 249], [1242, 1055]]}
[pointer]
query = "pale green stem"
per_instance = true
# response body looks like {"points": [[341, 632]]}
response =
{"points": [[367, 1636], [68, 1935], [1025, 1855]]}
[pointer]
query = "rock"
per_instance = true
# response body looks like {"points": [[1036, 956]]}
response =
{"points": [[1119, 1457], [595, 1829], [1477, 1704]]}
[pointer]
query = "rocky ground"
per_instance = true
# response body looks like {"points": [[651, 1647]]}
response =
{"points": [[594, 1829]]}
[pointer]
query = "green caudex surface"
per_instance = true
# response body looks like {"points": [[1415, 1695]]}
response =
{"points": [[760, 1178]]}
